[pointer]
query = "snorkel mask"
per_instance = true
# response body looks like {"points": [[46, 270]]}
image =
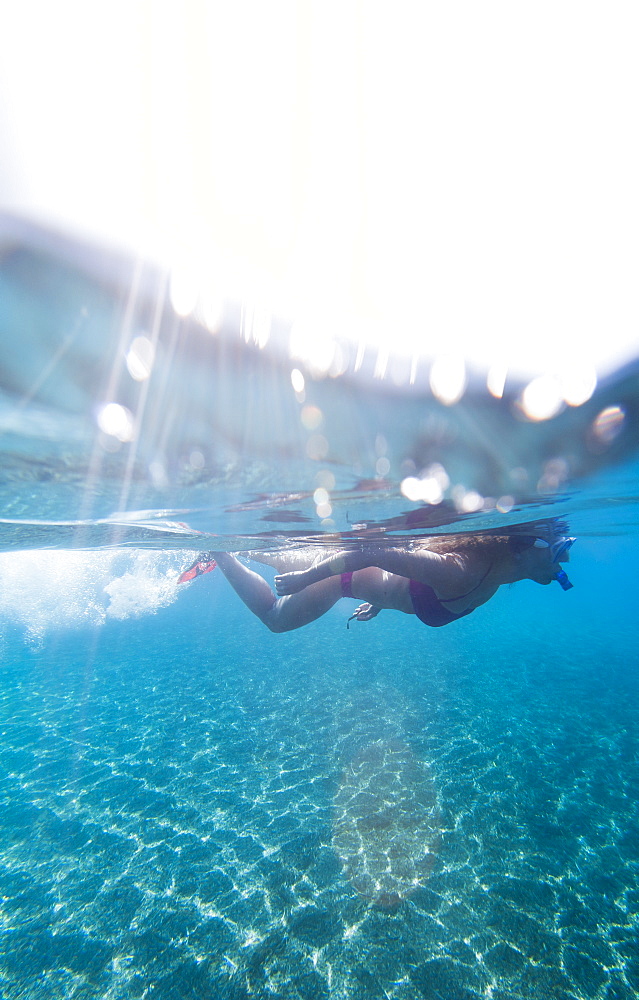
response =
{"points": [[558, 553]]}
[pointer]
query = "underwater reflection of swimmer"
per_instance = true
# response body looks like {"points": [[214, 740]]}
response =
{"points": [[438, 579]]}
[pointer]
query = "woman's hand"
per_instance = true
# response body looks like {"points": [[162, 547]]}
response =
{"points": [[364, 613]]}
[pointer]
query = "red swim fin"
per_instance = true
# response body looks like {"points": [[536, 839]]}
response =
{"points": [[203, 564]]}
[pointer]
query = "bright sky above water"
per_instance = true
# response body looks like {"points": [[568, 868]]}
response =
{"points": [[454, 179]]}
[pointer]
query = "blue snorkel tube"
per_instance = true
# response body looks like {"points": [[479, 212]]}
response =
{"points": [[562, 580]]}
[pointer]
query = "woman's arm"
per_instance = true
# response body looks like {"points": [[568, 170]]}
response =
{"points": [[449, 575]]}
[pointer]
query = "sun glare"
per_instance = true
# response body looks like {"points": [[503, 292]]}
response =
{"points": [[117, 421], [410, 169]]}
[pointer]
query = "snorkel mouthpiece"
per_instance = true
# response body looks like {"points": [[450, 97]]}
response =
{"points": [[563, 580]]}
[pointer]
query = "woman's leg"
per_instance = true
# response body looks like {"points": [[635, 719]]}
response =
{"points": [[343, 561], [285, 613], [288, 560], [445, 572]]}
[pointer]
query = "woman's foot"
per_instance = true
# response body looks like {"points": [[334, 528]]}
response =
{"points": [[292, 583]]}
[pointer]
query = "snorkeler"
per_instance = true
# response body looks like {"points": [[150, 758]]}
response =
{"points": [[438, 579]]}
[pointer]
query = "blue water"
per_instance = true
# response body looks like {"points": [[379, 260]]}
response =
{"points": [[195, 808]]}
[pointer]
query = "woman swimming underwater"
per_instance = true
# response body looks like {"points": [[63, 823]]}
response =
{"points": [[440, 579]]}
